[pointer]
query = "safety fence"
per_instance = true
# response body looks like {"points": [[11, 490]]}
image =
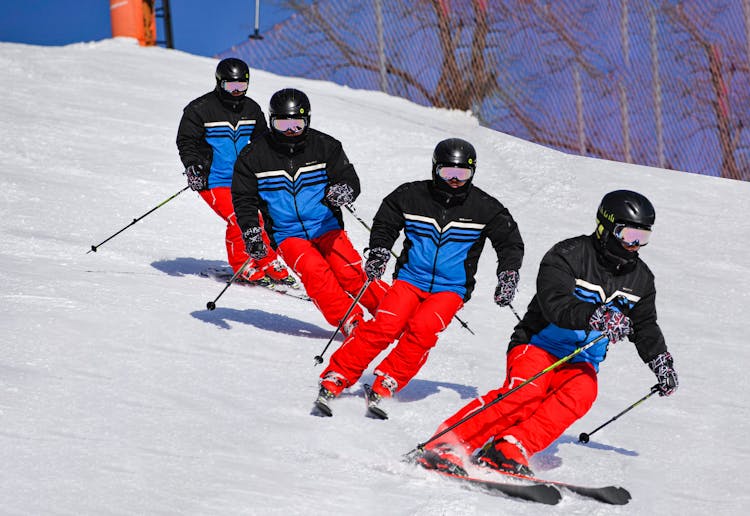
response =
{"points": [[658, 83]]}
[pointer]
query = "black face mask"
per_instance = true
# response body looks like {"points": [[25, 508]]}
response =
{"points": [[613, 253], [443, 193], [229, 100], [287, 144]]}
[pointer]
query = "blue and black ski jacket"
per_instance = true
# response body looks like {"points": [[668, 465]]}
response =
{"points": [[443, 240], [574, 279], [212, 133], [289, 186]]}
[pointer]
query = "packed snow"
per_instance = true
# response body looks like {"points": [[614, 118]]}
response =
{"points": [[121, 394]]}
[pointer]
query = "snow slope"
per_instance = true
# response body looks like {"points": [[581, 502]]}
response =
{"points": [[121, 394]]}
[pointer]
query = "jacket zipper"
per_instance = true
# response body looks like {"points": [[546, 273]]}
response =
{"points": [[439, 245], [294, 196]]}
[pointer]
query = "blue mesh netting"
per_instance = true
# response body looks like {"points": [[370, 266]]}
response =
{"points": [[658, 83]]}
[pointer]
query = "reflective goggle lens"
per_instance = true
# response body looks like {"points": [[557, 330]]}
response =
{"points": [[289, 125], [457, 173], [631, 236], [234, 86]]}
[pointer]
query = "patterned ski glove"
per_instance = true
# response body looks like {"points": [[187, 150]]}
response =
{"points": [[377, 259], [663, 367], [611, 322], [339, 194], [507, 283], [254, 245], [197, 178]]}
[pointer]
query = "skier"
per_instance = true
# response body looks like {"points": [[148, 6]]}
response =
{"points": [[300, 178], [587, 286], [213, 130], [445, 221]]}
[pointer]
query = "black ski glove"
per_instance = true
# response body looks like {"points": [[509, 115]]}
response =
{"points": [[339, 194], [507, 283], [611, 322], [377, 260], [663, 367], [254, 245], [197, 178]]}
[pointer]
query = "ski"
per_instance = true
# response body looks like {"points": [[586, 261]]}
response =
{"points": [[614, 495], [535, 492], [372, 400], [225, 274]]}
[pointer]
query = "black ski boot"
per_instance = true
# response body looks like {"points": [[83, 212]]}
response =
{"points": [[322, 403], [373, 399]]}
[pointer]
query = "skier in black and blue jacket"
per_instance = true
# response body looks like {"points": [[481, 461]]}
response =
{"points": [[213, 130], [588, 287], [300, 178], [445, 222]]}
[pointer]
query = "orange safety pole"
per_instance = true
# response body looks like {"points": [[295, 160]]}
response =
{"points": [[134, 19], [149, 23]]}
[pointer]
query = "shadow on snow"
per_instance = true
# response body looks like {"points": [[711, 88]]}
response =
{"points": [[547, 459], [186, 266], [221, 317], [418, 389]]}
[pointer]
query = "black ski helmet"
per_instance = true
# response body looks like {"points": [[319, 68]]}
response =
{"points": [[624, 207], [232, 69], [621, 207], [289, 103], [453, 152]]}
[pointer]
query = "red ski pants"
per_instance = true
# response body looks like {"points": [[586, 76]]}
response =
{"points": [[331, 271], [220, 200], [406, 311], [537, 413]]}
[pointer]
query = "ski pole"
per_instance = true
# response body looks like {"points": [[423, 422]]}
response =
{"points": [[504, 395], [351, 210], [95, 247], [514, 311], [211, 305], [319, 358], [584, 437]]}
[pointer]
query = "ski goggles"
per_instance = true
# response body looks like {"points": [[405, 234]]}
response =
{"points": [[458, 173], [630, 236], [234, 86], [289, 126]]}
